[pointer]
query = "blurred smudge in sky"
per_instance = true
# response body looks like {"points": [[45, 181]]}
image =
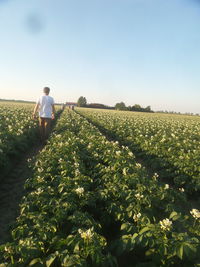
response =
{"points": [[34, 23]]}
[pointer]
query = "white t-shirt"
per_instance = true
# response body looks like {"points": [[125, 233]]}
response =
{"points": [[45, 108]]}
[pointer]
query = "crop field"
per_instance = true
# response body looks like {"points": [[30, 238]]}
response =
{"points": [[90, 202], [17, 130], [171, 143]]}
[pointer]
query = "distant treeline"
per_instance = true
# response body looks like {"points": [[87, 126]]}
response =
{"points": [[82, 102], [178, 113], [97, 105], [136, 107]]}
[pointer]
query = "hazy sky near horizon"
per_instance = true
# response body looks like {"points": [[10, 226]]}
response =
{"points": [[138, 51]]}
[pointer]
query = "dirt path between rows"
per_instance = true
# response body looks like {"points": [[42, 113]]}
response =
{"points": [[12, 190]]}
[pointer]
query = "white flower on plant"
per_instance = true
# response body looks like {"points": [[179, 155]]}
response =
{"points": [[76, 164], [155, 176], [10, 128], [40, 169], [138, 165], [124, 171], [86, 235], [8, 249], [118, 153], [77, 172], [39, 191], [139, 196], [79, 191], [181, 189], [136, 217], [89, 145], [61, 144], [195, 213], [166, 186], [40, 179], [65, 204], [165, 224], [130, 154]]}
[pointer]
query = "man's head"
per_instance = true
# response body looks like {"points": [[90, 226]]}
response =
{"points": [[46, 90]]}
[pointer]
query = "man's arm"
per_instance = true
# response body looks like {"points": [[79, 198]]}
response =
{"points": [[53, 111], [35, 110]]}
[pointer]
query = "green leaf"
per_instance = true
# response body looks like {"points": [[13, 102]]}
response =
{"points": [[176, 217], [70, 239], [188, 248], [145, 229], [76, 248], [174, 213], [179, 251], [50, 260], [71, 261], [150, 252], [134, 236], [34, 261], [54, 229], [124, 226]]}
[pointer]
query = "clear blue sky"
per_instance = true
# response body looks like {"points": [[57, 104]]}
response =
{"points": [[143, 52]]}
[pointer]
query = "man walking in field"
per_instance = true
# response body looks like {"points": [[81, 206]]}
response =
{"points": [[45, 105]]}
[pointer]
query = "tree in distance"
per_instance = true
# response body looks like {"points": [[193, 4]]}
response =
{"points": [[136, 107], [82, 102], [120, 106]]}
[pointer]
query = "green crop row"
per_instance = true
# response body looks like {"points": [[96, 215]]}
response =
{"points": [[169, 143], [17, 130], [91, 204]]}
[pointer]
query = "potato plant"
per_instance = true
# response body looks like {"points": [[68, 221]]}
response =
{"points": [[169, 143], [17, 131], [91, 204]]}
